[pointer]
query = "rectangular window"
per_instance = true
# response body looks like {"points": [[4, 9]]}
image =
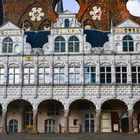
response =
{"points": [[28, 76], [135, 74], [121, 74], [43, 75], [13, 75], [59, 75], [1, 75], [90, 75], [105, 74], [74, 75]]}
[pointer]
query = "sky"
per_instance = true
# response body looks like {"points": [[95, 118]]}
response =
{"points": [[133, 6]]}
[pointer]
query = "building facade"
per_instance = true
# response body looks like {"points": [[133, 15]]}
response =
{"points": [[69, 79]]}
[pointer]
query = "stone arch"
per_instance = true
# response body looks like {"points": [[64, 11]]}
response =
{"points": [[22, 111], [115, 113], [45, 100], [82, 115], [50, 109]]}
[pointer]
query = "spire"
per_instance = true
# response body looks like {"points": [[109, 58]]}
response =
{"points": [[60, 7]]}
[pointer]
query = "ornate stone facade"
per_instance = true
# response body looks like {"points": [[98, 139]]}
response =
{"points": [[68, 85]]}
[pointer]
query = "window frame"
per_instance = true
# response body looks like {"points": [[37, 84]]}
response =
{"points": [[58, 76], [136, 73], [73, 41], [75, 74], [7, 45], [59, 42], [29, 74], [90, 73], [121, 74], [45, 75], [13, 74], [127, 42], [106, 74]]}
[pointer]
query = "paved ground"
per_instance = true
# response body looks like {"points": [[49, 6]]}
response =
{"points": [[104, 136]]}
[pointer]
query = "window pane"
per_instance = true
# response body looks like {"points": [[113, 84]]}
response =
{"points": [[124, 69], [133, 69], [108, 69], [86, 69], [41, 70], [11, 70], [102, 69], [118, 69], [16, 79], [93, 69], [26, 70]]}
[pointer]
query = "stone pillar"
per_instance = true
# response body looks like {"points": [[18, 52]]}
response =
{"points": [[4, 121], [98, 121], [35, 121], [66, 121], [130, 117]]}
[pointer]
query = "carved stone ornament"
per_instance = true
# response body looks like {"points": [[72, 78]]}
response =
{"points": [[96, 13], [36, 14]]}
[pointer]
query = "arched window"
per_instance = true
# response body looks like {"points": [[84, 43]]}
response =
{"points": [[13, 126], [7, 45], [73, 44], [59, 44], [128, 44], [67, 23]]}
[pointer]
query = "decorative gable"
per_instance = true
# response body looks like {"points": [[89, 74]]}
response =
{"points": [[128, 26], [9, 26], [128, 23]]}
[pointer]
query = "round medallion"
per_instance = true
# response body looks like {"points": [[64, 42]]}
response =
{"points": [[96, 13], [36, 14]]}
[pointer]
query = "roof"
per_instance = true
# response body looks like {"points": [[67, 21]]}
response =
{"points": [[37, 39], [95, 37], [1, 13]]}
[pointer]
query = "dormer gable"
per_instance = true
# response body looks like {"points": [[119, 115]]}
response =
{"points": [[67, 19], [9, 26], [127, 26]]}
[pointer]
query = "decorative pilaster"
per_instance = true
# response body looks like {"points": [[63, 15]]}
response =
{"points": [[98, 121], [66, 121], [98, 71]]}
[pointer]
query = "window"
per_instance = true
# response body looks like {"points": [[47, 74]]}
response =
{"points": [[121, 74], [59, 44], [7, 45], [90, 74], [28, 76], [59, 75], [135, 74], [105, 74], [1, 75], [43, 75], [128, 44], [13, 75], [73, 44], [66, 23], [74, 75], [54, 109]]}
